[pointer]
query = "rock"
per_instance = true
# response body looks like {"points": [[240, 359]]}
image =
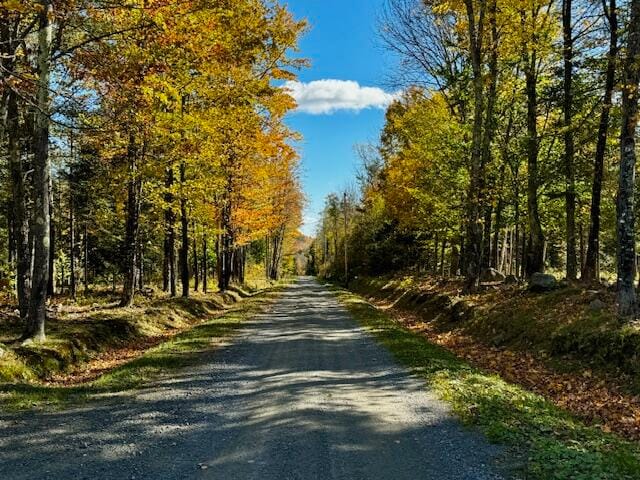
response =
{"points": [[3, 351], [16, 312], [491, 275], [27, 342], [597, 305], [542, 282], [511, 280], [462, 310]]}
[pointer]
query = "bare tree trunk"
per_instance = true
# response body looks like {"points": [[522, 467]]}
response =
{"points": [[132, 225], [225, 246], [219, 261], [535, 251], [196, 273], [168, 269], [72, 239], [85, 276], [184, 222], [627, 303], [497, 228], [505, 248], [19, 203], [267, 257], [486, 237], [570, 194], [41, 182], [51, 286], [205, 266], [346, 246], [473, 247], [581, 238], [590, 269], [141, 265]]}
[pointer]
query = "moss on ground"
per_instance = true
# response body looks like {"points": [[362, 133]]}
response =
{"points": [[554, 444], [557, 324]]}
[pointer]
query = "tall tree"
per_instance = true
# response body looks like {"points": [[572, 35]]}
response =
{"points": [[590, 269], [570, 194], [627, 301], [35, 327], [473, 248]]}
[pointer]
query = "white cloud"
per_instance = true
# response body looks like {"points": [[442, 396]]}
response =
{"points": [[323, 97]]}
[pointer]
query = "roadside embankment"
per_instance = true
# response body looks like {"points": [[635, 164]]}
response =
{"points": [[565, 344]]}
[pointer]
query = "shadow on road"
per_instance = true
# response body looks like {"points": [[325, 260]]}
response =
{"points": [[302, 393]]}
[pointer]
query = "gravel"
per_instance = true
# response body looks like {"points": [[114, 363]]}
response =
{"points": [[302, 393]]}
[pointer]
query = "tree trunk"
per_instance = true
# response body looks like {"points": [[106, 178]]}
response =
{"points": [[134, 192], [346, 245], [11, 234], [241, 264], [41, 182], [473, 247], [72, 240], [581, 251], [535, 250], [169, 264], [170, 233], [219, 261], [19, 203], [436, 253], [141, 265], [570, 180], [184, 222], [205, 266], [486, 238], [497, 228], [225, 247], [627, 305], [488, 133], [51, 286], [590, 269], [85, 275], [196, 273]]}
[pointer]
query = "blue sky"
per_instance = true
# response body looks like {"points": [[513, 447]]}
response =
{"points": [[341, 44]]}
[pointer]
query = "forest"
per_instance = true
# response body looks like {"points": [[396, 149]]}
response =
{"points": [[143, 145], [510, 153], [467, 307]]}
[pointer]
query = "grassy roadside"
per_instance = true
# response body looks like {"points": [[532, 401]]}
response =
{"points": [[554, 444], [181, 351]]}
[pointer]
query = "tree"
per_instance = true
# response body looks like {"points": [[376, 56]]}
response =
{"points": [[627, 303], [590, 269]]}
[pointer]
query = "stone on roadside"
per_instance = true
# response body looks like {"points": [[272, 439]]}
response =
{"points": [[542, 282]]}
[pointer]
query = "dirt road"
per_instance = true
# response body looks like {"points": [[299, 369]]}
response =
{"points": [[302, 393]]}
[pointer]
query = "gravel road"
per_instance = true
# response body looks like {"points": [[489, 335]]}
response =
{"points": [[302, 393]]}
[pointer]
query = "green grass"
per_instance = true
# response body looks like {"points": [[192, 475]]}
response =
{"points": [[182, 351], [553, 444]]}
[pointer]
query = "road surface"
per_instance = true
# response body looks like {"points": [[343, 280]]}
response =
{"points": [[302, 393]]}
